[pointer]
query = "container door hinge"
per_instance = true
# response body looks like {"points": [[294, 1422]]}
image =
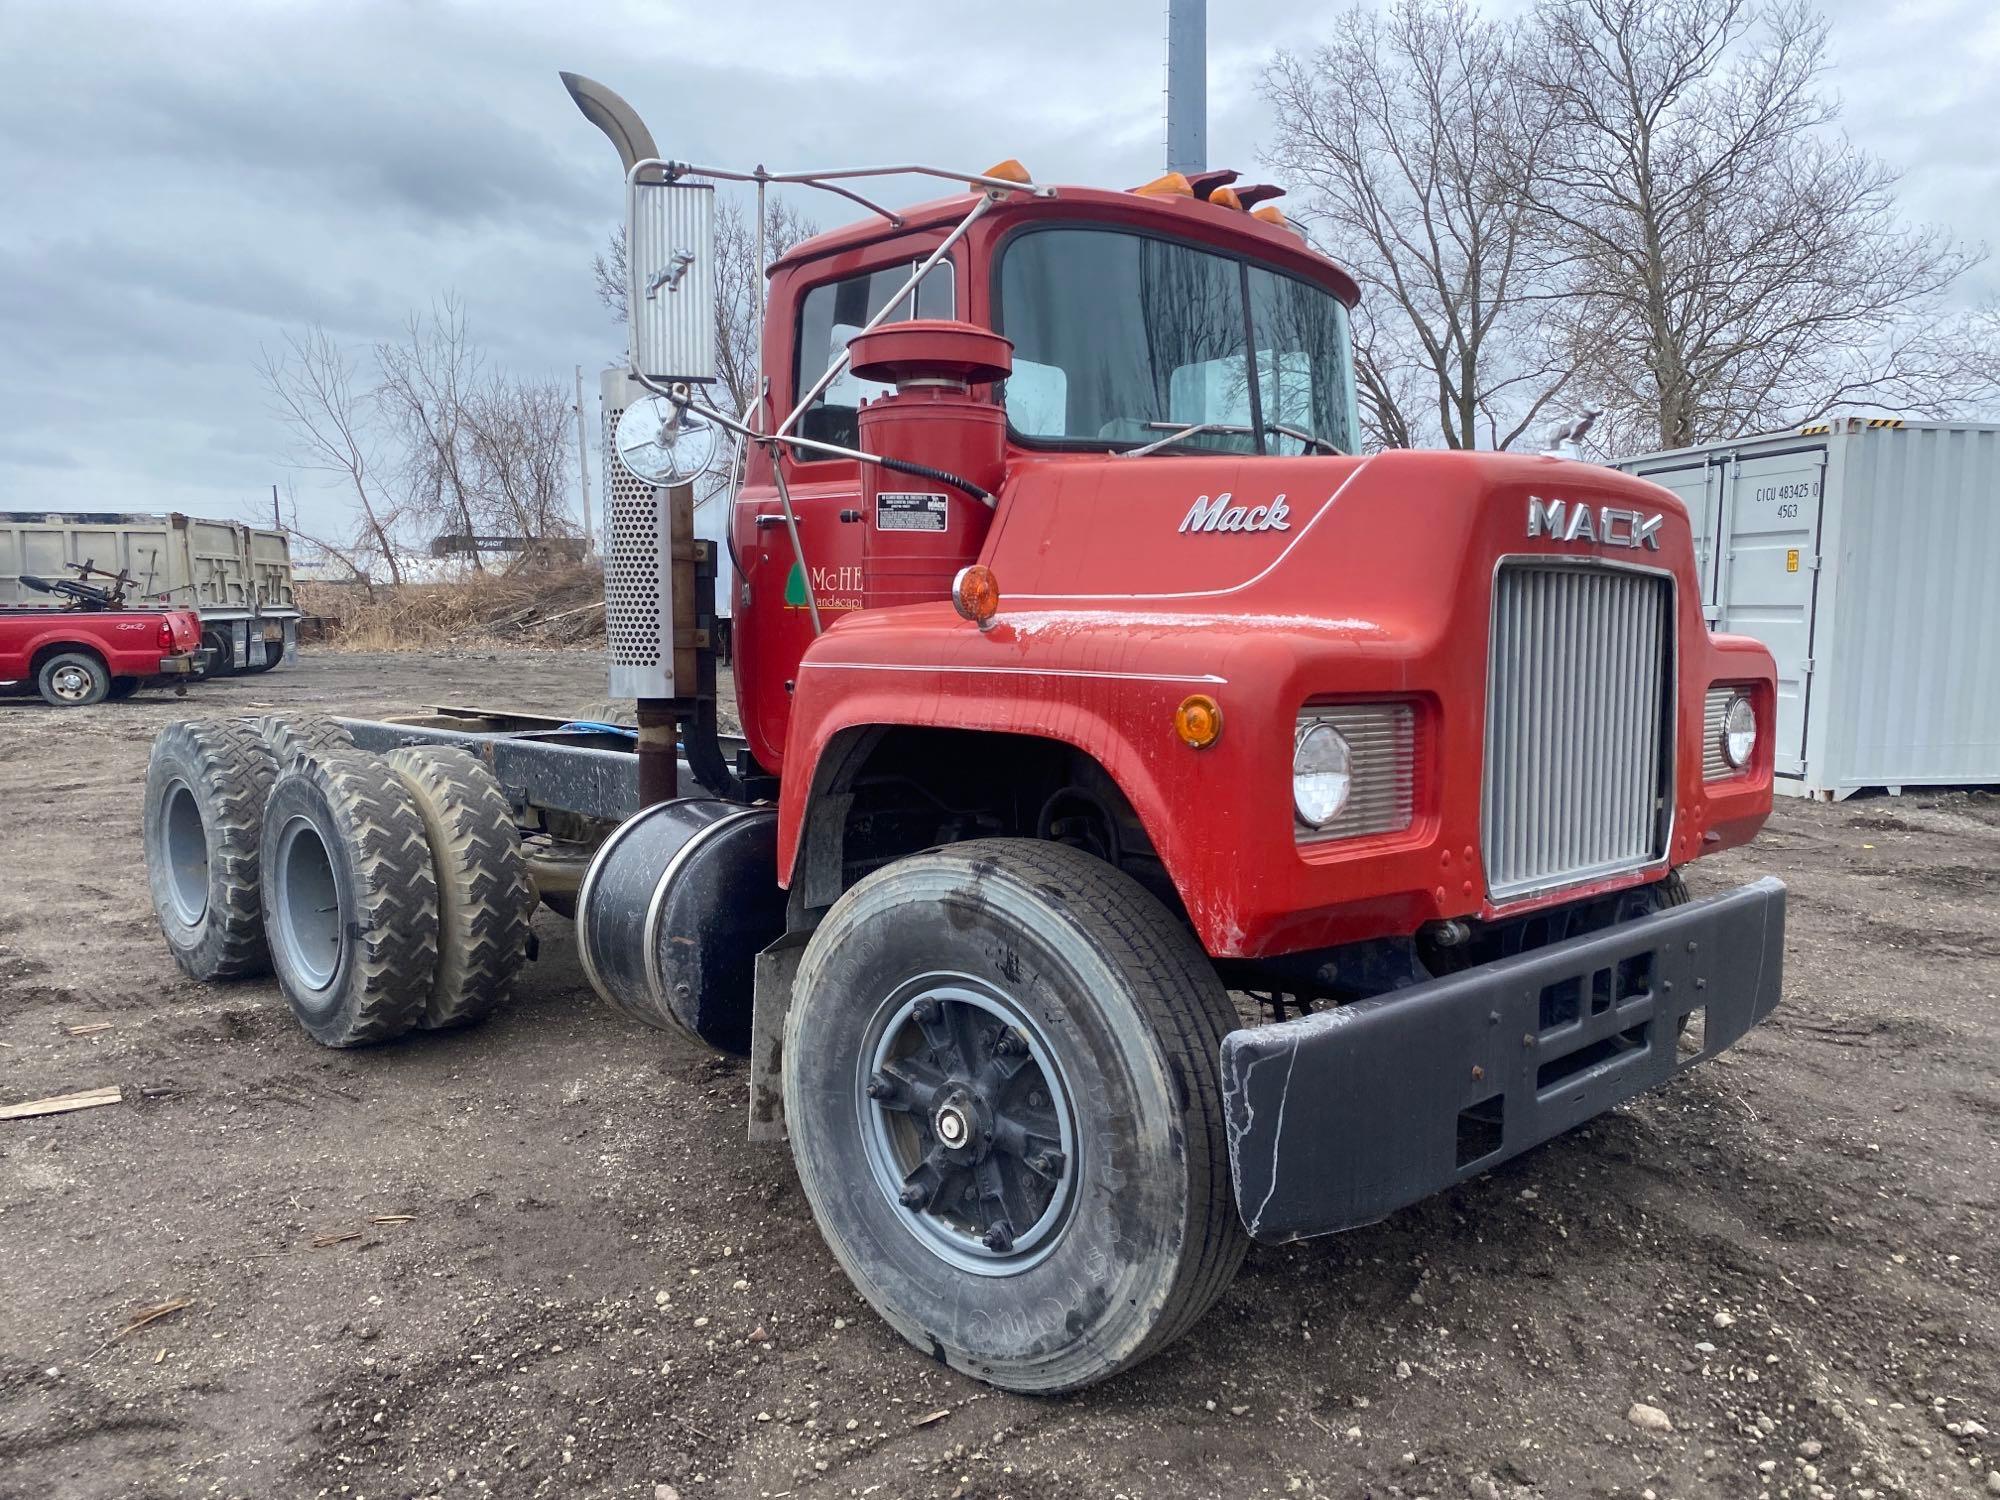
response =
{"points": [[1806, 667]]}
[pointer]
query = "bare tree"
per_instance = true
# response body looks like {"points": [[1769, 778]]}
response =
{"points": [[739, 284], [425, 388], [1412, 130], [312, 390], [1732, 265], [519, 443]]}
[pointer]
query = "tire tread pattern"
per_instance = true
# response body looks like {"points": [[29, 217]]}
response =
{"points": [[485, 899], [234, 769], [394, 931], [1191, 1012], [292, 736]]}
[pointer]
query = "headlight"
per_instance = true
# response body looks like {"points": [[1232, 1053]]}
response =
{"points": [[1322, 774], [1739, 732]]}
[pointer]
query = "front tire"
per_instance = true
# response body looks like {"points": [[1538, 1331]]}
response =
{"points": [[1002, 1085]]}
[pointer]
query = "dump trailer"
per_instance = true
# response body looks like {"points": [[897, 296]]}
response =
{"points": [[1155, 825], [237, 577]]}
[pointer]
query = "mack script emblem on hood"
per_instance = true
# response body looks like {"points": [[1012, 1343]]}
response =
{"points": [[1223, 514], [1571, 521]]}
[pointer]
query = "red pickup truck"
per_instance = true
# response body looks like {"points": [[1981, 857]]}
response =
{"points": [[75, 657]]}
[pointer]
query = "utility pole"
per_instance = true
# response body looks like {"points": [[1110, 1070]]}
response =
{"points": [[276, 524], [1187, 85], [583, 462]]}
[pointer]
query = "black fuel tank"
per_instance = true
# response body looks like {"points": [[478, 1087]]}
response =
{"points": [[673, 911]]}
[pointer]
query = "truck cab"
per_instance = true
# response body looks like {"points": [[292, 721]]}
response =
{"points": [[1158, 824], [1506, 650]]}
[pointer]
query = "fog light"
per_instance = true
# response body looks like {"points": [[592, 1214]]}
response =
{"points": [[1322, 774], [1739, 732]]}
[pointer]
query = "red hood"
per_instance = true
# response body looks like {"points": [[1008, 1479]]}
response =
{"points": [[1345, 543]]}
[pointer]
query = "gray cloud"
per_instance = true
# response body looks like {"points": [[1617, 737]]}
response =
{"points": [[180, 184]]}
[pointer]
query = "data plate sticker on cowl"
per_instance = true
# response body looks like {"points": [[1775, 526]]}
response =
{"points": [[904, 510]]}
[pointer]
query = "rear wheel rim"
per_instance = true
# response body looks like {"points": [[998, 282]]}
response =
{"points": [[967, 1124], [71, 684], [308, 907], [187, 854]]}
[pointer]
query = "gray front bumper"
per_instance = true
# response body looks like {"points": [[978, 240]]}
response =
{"points": [[1347, 1115]]}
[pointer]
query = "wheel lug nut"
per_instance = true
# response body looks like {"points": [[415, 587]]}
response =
{"points": [[880, 1087], [925, 1011], [911, 1197], [999, 1239], [1048, 1163]]}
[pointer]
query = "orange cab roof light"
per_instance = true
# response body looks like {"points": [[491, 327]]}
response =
{"points": [[1009, 170], [1226, 197], [1173, 185], [1270, 214]]}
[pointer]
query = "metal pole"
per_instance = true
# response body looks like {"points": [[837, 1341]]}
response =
{"points": [[1187, 85], [276, 524], [583, 463], [757, 303]]}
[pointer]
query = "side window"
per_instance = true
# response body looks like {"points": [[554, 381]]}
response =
{"points": [[830, 315]]}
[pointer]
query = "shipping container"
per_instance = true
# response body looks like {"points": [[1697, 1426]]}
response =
{"points": [[1866, 554], [236, 576]]}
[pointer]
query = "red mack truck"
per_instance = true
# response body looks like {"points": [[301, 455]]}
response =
{"points": [[1156, 826]]}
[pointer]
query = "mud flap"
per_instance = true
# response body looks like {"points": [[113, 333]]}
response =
{"points": [[771, 1002]]}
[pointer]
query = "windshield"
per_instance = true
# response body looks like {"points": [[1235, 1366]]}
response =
{"points": [[1121, 339]]}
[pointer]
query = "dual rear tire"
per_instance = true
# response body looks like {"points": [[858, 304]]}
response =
{"points": [[384, 893]]}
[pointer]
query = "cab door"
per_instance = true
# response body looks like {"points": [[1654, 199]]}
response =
{"points": [[773, 624]]}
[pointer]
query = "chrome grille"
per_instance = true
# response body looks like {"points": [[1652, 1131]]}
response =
{"points": [[1381, 740], [1576, 725]]}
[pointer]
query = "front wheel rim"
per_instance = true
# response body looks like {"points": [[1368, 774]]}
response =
{"points": [[967, 1123]]}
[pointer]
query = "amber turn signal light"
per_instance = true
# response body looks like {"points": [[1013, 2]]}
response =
{"points": [[975, 594], [1198, 721], [1009, 170]]}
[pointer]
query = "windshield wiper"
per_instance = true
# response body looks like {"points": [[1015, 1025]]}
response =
{"points": [[1176, 433]]}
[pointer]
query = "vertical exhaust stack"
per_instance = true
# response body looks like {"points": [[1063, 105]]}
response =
{"points": [[605, 109], [656, 650]]}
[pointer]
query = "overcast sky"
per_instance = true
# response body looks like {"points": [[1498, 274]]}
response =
{"points": [[181, 182]]}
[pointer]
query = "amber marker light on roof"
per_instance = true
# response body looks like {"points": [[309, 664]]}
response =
{"points": [[1173, 185], [1198, 721], [1009, 170], [975, 594]]}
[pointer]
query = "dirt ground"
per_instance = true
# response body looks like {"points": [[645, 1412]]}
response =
{"points": [[601, 1289]]}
